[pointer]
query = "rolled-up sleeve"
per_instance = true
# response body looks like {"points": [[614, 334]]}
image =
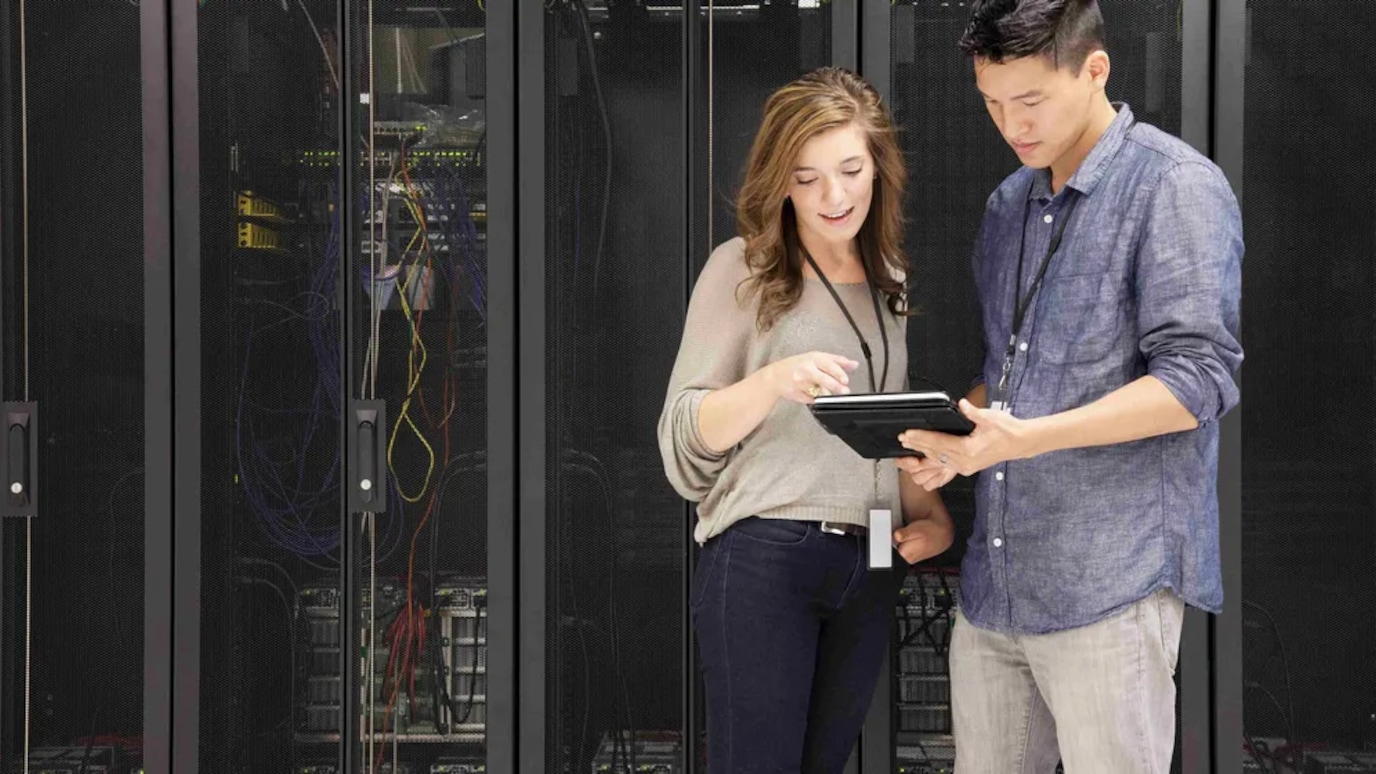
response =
{"points": [[711, 355], [692, 468], [1189, 287]]}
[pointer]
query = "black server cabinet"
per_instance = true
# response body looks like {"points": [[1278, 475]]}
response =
{"points": [[344, 245], [84, 554], [420, 332], [1298, 148], [258, 296], [612, 220]]}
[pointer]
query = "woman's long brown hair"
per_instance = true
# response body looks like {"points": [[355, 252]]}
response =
{"points": [[822, 100]]}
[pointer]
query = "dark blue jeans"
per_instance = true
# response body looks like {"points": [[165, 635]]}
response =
{"points": [[792, 630]]}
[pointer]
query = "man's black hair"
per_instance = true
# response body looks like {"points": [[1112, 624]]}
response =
{"points": [[1065, 32]]}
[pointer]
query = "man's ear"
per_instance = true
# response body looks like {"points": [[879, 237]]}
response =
{"points": [[1097, 67]]}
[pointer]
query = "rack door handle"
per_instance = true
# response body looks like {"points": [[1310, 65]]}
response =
{"points": [[20, 465], [367, 478]]}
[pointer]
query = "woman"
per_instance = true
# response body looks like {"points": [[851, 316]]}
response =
{"points": [[791, 624]]}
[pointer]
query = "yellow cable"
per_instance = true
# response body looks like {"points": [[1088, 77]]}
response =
{"points": [[413, 371]]}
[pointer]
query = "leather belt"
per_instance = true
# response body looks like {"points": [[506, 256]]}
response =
{"points": [[838, 528]]}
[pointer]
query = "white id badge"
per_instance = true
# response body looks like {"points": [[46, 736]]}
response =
{"points": [[881, 539]]}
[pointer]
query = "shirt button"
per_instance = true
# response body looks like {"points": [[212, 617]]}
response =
{"points": [[998, 476], [998, 542], [1023, 346], [1047, 219]]}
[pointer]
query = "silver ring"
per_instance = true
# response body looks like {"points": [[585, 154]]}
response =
{"points": [[942, 458]]}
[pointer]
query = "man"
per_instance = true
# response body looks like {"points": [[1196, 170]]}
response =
{"points": [[1109, 273]]}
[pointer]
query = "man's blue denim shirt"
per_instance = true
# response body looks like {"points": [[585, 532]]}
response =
{"points": [[1147, 281]]}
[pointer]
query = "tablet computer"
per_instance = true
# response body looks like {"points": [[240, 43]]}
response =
{"points": [[871, 423]]}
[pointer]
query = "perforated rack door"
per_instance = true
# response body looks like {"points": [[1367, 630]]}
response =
{"points": [[71, 152], [1308, 420], [271, 396], [614, 194], [419, 280]]}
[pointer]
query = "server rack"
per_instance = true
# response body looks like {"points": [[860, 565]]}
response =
{"points": [[347, 233], [84, 555]]}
